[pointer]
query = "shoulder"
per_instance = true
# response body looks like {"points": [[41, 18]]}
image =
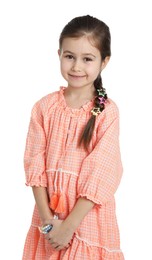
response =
{"points": [[111, 109], [108, 116], [46, 102], [110, 112]]}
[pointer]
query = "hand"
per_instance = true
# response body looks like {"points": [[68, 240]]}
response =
{"points": [[60, 235]]}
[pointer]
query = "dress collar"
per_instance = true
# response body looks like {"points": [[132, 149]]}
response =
{"points": [[86, 107]]}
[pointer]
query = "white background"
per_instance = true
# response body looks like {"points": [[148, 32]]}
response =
{"points": [[29, 69]]}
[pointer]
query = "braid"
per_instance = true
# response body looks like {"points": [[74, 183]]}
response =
{"points": [[99, 106], [101, 94]]}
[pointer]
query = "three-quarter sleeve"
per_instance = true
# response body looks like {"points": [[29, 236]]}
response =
{"points": [[102, 169], [34, 156]]}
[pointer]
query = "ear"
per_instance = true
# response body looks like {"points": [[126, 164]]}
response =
{"points": [[59, 52], [105, 62]]}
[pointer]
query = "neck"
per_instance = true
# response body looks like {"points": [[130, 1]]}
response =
{"points": [[81, 93]]}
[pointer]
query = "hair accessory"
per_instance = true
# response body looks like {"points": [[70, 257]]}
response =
{"points": [[95, 111], [102, 100], [101, 92]]}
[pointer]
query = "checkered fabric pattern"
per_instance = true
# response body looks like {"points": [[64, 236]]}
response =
{"points": [[54, 160]]}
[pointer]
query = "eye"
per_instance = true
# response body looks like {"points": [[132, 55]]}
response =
{"points": [[69, 56], [87, 59]]}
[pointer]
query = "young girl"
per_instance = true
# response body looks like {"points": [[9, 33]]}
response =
{"points": [[72, 155]]}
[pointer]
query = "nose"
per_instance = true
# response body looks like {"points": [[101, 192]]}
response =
{"points": [[76, 65]]}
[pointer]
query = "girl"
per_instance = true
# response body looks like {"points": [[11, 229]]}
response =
{"points": [[72, 156]]}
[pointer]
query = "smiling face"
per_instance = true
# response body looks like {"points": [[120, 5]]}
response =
{"points": [[80, 62]]}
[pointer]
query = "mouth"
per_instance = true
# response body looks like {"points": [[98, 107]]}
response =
{"points": [[76, 76]]}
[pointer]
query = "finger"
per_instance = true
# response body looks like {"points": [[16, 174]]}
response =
{"points": [[58, 248], [68, 245], [47, 236], [54, 245], [49, 239]]}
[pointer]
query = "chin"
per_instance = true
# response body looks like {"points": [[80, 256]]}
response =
{"points": [[75, 86]]}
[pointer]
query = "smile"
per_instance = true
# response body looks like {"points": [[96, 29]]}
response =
{"points": [[76, 76]]}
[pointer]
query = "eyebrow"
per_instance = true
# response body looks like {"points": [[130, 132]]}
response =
{"points": [[85, 54]]}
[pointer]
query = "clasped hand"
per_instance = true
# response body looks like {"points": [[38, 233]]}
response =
{"points": [[60, 235]]}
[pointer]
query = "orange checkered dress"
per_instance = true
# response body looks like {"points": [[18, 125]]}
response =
{"points": [[54, 160]]}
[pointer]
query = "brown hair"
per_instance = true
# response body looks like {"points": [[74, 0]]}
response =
{"points": [[98, 32]]}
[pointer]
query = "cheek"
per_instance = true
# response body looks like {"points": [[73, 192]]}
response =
{"points": [[64, 66], [94, 71]]}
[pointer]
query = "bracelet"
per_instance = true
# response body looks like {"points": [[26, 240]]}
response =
{"points": [[46, 228]]}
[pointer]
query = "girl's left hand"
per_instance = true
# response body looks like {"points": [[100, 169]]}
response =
{"points": [[60, 235]]}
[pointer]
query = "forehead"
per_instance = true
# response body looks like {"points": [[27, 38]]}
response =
{"points": [[79, 45]]}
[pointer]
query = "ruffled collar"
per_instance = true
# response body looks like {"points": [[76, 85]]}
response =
{"points": [[86, 107]]}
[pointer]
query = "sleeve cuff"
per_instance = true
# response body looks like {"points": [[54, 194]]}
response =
{"points": [[36, 180], [90, 197]]}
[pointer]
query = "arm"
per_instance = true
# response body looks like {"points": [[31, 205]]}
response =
{"points": [[34, 161], [41, 199], [80, 210]]}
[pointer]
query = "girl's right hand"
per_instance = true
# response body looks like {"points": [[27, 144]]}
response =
{"points": [[60, 236]]}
